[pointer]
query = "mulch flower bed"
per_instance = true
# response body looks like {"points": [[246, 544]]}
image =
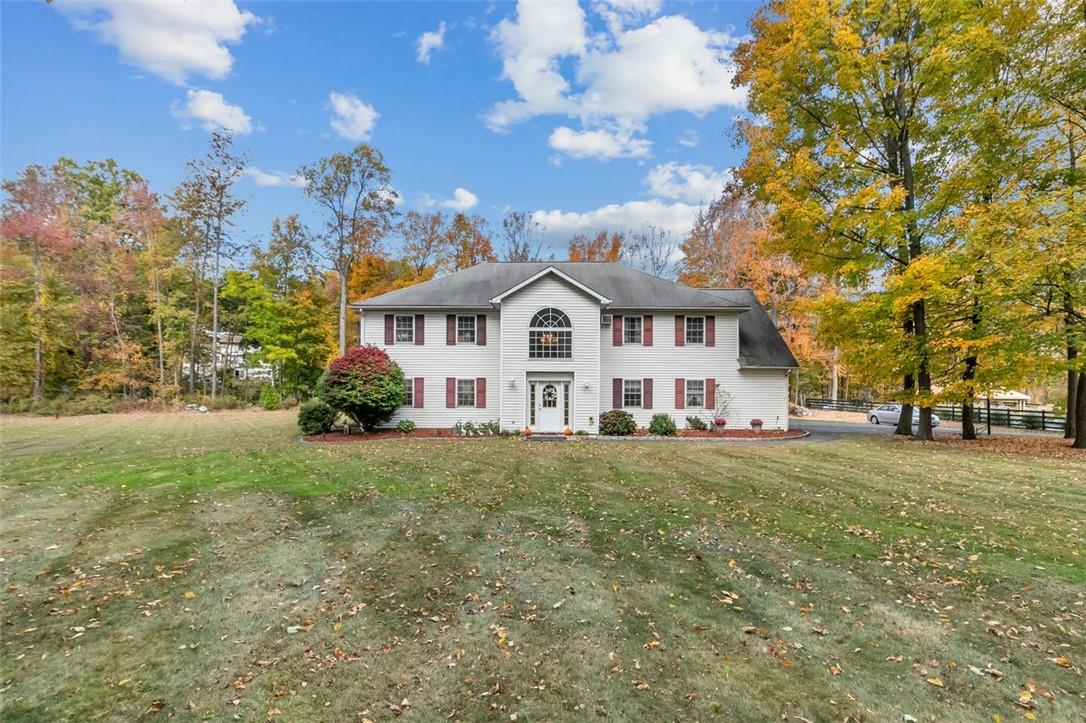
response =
{"points": [[731, 433], [339, 436]]}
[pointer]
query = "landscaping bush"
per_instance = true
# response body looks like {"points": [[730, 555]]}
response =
{"points": [[405, 426], [662, 425], [225, 401], [365, 385], [269, 398], [696, 423], [316, 417], [617, 423]]}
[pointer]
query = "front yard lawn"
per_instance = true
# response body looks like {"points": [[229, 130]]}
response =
{"points": [[215, 567]]}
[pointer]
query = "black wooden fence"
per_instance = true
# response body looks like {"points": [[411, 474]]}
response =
{"points": [[1001, 416]]}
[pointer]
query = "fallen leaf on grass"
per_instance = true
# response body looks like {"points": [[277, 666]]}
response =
{"points": [[937, 682]]}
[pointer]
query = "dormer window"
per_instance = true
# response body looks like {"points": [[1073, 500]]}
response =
{"points": [[550, 335]]}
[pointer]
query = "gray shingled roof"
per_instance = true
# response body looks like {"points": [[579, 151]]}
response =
{"points": [[760, 344], [474, 287]]}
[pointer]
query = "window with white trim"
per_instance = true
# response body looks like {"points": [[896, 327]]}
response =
{"points": [[409, 389], [631, 329], [550, 335], [631, 392], [465, 392], [695, 330], [465, 330], [695, 392], [405, 329]]}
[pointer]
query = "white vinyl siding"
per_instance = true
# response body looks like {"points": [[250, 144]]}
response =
{"points": [[754, 393], [435, 361], [581, 369]]}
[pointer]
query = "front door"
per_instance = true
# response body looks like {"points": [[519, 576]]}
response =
{"points": [[549, 404]]}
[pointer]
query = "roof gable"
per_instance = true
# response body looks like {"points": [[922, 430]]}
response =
{"points": [[550, 270]]}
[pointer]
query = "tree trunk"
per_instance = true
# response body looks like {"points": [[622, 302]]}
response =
{"points": [[158, 330], [342, 312], [905, 421], [1080, 413], [192, 342], [38, 373], [835, 378], [923, 377], [215, 332], [969, 427]]}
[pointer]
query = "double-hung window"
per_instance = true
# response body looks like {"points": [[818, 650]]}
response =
{"points": [[631, 329], [465, 392], [405, 329], [409, 397], [695, 393], [695, 330], [465, 330], [631, 392]]}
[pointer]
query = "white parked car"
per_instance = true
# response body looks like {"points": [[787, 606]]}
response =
{"points": [[891, 413]]}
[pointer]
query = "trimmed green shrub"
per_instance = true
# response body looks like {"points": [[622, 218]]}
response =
{"points": [[662, 425], [365, 385], [617, 423], [316, 417], [696, 423], [269, 398], [405, 426]]}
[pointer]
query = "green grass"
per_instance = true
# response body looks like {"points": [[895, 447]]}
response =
{"points": [[213, 567]]}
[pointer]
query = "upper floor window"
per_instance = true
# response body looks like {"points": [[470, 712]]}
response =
{"points": [[465, 330], [550, 335], [405, 329], [631, 329], [695, 330]]}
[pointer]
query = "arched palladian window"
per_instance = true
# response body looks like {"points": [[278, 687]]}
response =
{"points": [[550, 335]]}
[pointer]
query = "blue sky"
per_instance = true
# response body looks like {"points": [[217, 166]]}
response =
{"points": [[591, 115]]}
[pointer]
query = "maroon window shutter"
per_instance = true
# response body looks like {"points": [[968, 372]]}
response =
{"points": [[680, 330], [616, 393], [710, 331], [390, 333], [450, 392], [646, 393], [420, 329], [646, 330], [480, 329], [680, 394], [420, 392], [450, 329], [616, 330], [480, 393], [710, 393]]}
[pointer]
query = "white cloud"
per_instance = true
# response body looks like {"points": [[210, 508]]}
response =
{"points": [[601, 144], [430, 41], [351, 118], [274, 179], [462, 199], [212, 112], [615, 80], [676, 218], [173, 40], [687, 182], [688, 138]]}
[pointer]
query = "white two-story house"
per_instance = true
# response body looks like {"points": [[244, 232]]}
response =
{"points": [[552, 345]]}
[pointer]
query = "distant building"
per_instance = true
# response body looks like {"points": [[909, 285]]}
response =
{"points": [[233, 357], [1005, 398]]}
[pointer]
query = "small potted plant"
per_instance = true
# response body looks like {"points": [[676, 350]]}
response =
{"points": [[568, 432], [756, 425], [719, 423]]}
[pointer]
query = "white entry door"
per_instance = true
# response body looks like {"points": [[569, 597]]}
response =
{"points": [[548, 406]]}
